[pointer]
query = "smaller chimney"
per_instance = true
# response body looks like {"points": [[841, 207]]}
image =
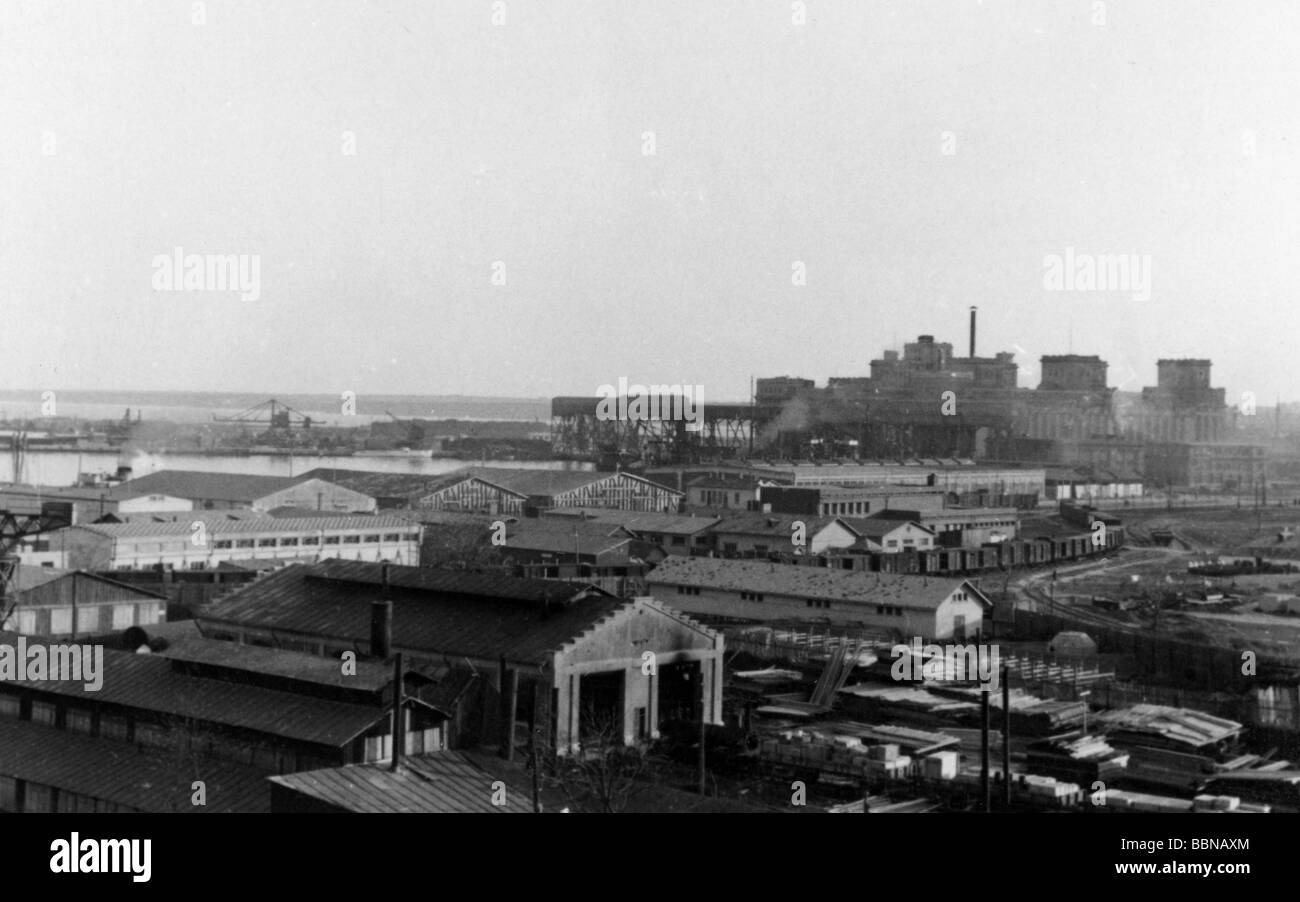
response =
{"points": [[972, 332], [381, 627], [399, 732]]}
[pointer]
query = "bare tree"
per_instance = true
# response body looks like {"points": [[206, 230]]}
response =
{"points": [[604, 774]]}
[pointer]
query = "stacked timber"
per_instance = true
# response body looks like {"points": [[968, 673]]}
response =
{"points": [[843, 755], [1175, 748], [1030, 715], [897, 702], [1085, 759]]}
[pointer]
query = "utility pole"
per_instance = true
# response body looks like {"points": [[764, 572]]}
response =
{"points": [[398, 737], [702, 761], [984, 751], [753, 403], [532, 748], [1006, 740]]}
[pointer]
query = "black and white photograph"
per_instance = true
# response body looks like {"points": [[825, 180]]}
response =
{"points": [[732, 407]]}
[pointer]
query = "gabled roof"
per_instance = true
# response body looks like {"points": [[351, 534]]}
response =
{"points": [[559, 537], [779, 525], [438, 612], [880, 531], [378, 484], [917, 592], [34, 587], [27, 576], [196, 485], [291, 666], [529, 482]]}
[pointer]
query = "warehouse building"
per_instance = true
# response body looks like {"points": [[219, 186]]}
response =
{"points": [[847, 501], [888, 537], [570, 658], [48, 602], [719, 493], [600, 553], [294, 712], [47, 770], [757, 535], [672, 533], [757, 591], [234, 491], [1087, 483], [203, 540]]}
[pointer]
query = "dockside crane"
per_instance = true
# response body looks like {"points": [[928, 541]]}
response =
{"points": [[16, 525], [272, 414]]}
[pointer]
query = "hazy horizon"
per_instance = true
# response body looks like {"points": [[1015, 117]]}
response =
{"points": [[385, 163]]}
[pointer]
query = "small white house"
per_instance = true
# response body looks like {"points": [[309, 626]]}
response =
{"points": [[906, 536]]}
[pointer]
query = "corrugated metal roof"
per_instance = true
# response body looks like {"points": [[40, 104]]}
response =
{"points": [[291, 665], [437, 783], [1183, 726], [124, 774], [918, 592], [537, 482], [445, 612], [151, 683], [194, 484], [378, 484]]}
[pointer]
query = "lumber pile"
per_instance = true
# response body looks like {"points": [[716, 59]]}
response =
{"points": [[1085, 759], [838, 754]]}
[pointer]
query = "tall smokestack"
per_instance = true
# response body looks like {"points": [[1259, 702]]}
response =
{"points": [[972, 332]]}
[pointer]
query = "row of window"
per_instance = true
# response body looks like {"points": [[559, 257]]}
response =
{"points": [[889, 610], [90, 618], [688, 590], [295, 541], [155, 736], [751, 596], [39, 798], [836, 508], [672, 540], [312, 540], [818, 603]]}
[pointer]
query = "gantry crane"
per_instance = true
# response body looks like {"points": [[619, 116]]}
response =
{"points": [[272, 414], [14, 527]]}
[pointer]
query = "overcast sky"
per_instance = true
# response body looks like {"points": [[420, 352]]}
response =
{"points": [[915, 158]]}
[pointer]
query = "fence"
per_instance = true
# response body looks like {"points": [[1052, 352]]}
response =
{"points": [[799, 646], [1205, 677]]}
